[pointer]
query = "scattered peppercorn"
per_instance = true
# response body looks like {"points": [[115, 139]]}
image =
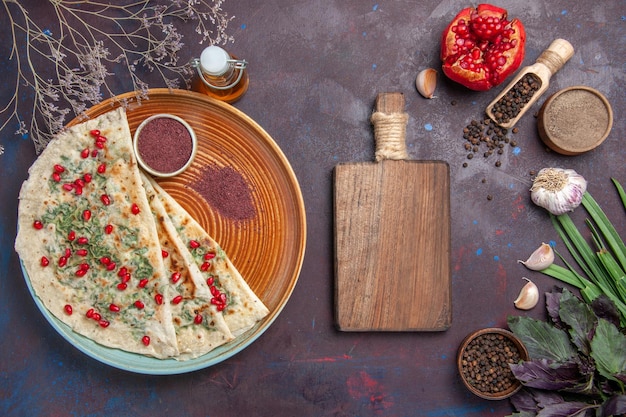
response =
{"points": [[485, 133], [485, 363]]}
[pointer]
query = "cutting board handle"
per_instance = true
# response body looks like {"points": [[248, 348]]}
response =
{"points": [[390, 120]]}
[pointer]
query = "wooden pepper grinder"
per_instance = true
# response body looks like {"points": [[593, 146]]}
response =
{"points": [[529, 85], [220, 75]]}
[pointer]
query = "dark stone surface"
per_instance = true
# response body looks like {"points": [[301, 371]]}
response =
{"points": [[315, 70]]}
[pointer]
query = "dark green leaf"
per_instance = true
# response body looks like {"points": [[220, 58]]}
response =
{"points": [[542, 340], [579, 317], [608, 349]]}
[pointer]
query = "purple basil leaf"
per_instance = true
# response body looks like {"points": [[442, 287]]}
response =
{"points": [[523, 400], [614, 406], [604, 308], [580, 319], [608, 349], [547, 375], [553, 301], [542, 340], [568, 409]]}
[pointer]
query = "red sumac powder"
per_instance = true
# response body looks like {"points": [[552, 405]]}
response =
{"points": [[226, 190], [164, 144]]}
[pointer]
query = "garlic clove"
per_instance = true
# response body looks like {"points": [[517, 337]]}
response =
{"points": [[426, 82], [540, 259], [528, 296]]}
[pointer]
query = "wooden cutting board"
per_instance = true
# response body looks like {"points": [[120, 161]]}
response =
{"points": [[392, 235]]}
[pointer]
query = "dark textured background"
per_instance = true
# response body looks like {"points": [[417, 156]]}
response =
{"points": [[315, 70]]}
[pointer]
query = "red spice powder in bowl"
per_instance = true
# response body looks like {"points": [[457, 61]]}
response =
{"points": [[164, 145]]}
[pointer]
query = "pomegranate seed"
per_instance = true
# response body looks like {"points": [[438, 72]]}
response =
{"points": [[82, 240], [108, 229], [145, 340], [205, 266], [197, 319], [84, 153], [214, 291], [114, 308], [208, 256], [139, 304], [102, 168], [86, 215], [122, 286], [82, 252], [105, 260], [94, 153], [94, 132], [111, 266], [96, 316], [45, 261], [103, 323], [71, 235], [210, 281], [175, 277], [159, 299], [59, 168], [101, 138], [177, 299], [68, 186], [105, 199], [143, 282], [79, 182], [87, 178], [68, 309], [90, 313], [123, 271], [80, 272], [37, 224], [99, 145], [135, 209], [78, 190], [68, 252], [62, 261], [126, 278], [56, 177], [220, 307], [164, 253], [194, 244], [222, 298]]}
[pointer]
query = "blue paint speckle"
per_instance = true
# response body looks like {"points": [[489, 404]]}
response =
{"points": [[516, 150], [563, 12], [47, 32], [375, 7], [473, 102], [373, 66], [509, 245], [475, 222], [479, 251], [552, 243], [496, 258], [364, 34], [243, 26], [428, 127]]}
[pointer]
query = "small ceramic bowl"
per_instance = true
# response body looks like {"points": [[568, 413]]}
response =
{"points": [[480, 379], [575, 120], [165, 145]]}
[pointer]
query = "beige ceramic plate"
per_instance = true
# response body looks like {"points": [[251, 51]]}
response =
{"points": [[268, 248]]}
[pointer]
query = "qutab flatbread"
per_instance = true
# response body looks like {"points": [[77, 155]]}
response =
{"points": [[89, 243], [241, 307], [113, 256]]}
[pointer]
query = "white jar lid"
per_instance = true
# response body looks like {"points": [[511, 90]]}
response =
{"points": [[214, 60]]}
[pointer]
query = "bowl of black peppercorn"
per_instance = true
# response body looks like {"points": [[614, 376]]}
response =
{"points": [[483, 361]]}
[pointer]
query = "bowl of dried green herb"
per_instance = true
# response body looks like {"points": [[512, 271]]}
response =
{"points": [[483, 361]]}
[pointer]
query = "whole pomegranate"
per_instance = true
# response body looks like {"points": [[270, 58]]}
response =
{"points": [[480, 48]]}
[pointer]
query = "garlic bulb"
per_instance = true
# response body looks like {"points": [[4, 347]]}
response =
{"points": [[558, 190], [540, 259], [426, 82], [528, 296]]}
